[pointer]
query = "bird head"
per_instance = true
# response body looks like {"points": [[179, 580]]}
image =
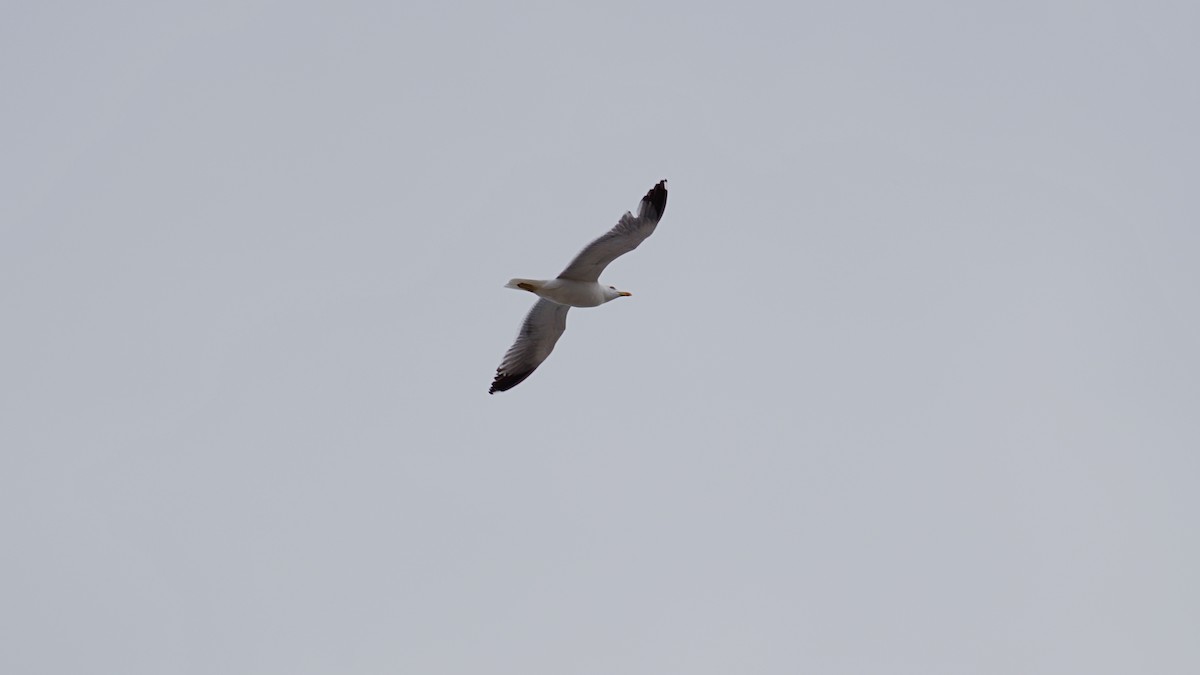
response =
{"points": [[611, 293]]}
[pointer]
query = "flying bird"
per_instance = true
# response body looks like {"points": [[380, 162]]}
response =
{"points": [[577, 286]]}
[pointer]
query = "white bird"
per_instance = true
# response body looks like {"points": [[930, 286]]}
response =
{"points": [[577, 286]]}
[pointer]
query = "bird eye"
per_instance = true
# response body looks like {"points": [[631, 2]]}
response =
{"points": [[613, 287]]}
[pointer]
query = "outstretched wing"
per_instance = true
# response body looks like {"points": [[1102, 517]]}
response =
{"points": [[628, 233], [543, 326]]}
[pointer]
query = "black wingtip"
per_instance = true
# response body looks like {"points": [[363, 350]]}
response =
{"points": [[656, 199], [506, 381]]}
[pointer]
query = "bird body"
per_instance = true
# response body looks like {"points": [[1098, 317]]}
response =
{"points": [[569, 291], [577, 286]]}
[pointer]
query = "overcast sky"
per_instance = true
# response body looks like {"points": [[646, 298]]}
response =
{"points": [[909, 382]]}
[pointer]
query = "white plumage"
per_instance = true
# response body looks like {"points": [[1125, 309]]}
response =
{"points": [[577, 286]]}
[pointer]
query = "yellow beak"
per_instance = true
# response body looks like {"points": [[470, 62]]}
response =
{"points": [[624, 293]]}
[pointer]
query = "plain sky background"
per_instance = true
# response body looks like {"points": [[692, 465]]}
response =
{"points": [[909, 382]]}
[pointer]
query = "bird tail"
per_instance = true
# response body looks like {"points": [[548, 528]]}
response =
{"points": [[530, 285]]}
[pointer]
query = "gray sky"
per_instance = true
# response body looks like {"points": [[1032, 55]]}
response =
{"points": [[909, 382]]}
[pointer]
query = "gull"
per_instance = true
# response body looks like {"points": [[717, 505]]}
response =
{"points": [[577, 286]]}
